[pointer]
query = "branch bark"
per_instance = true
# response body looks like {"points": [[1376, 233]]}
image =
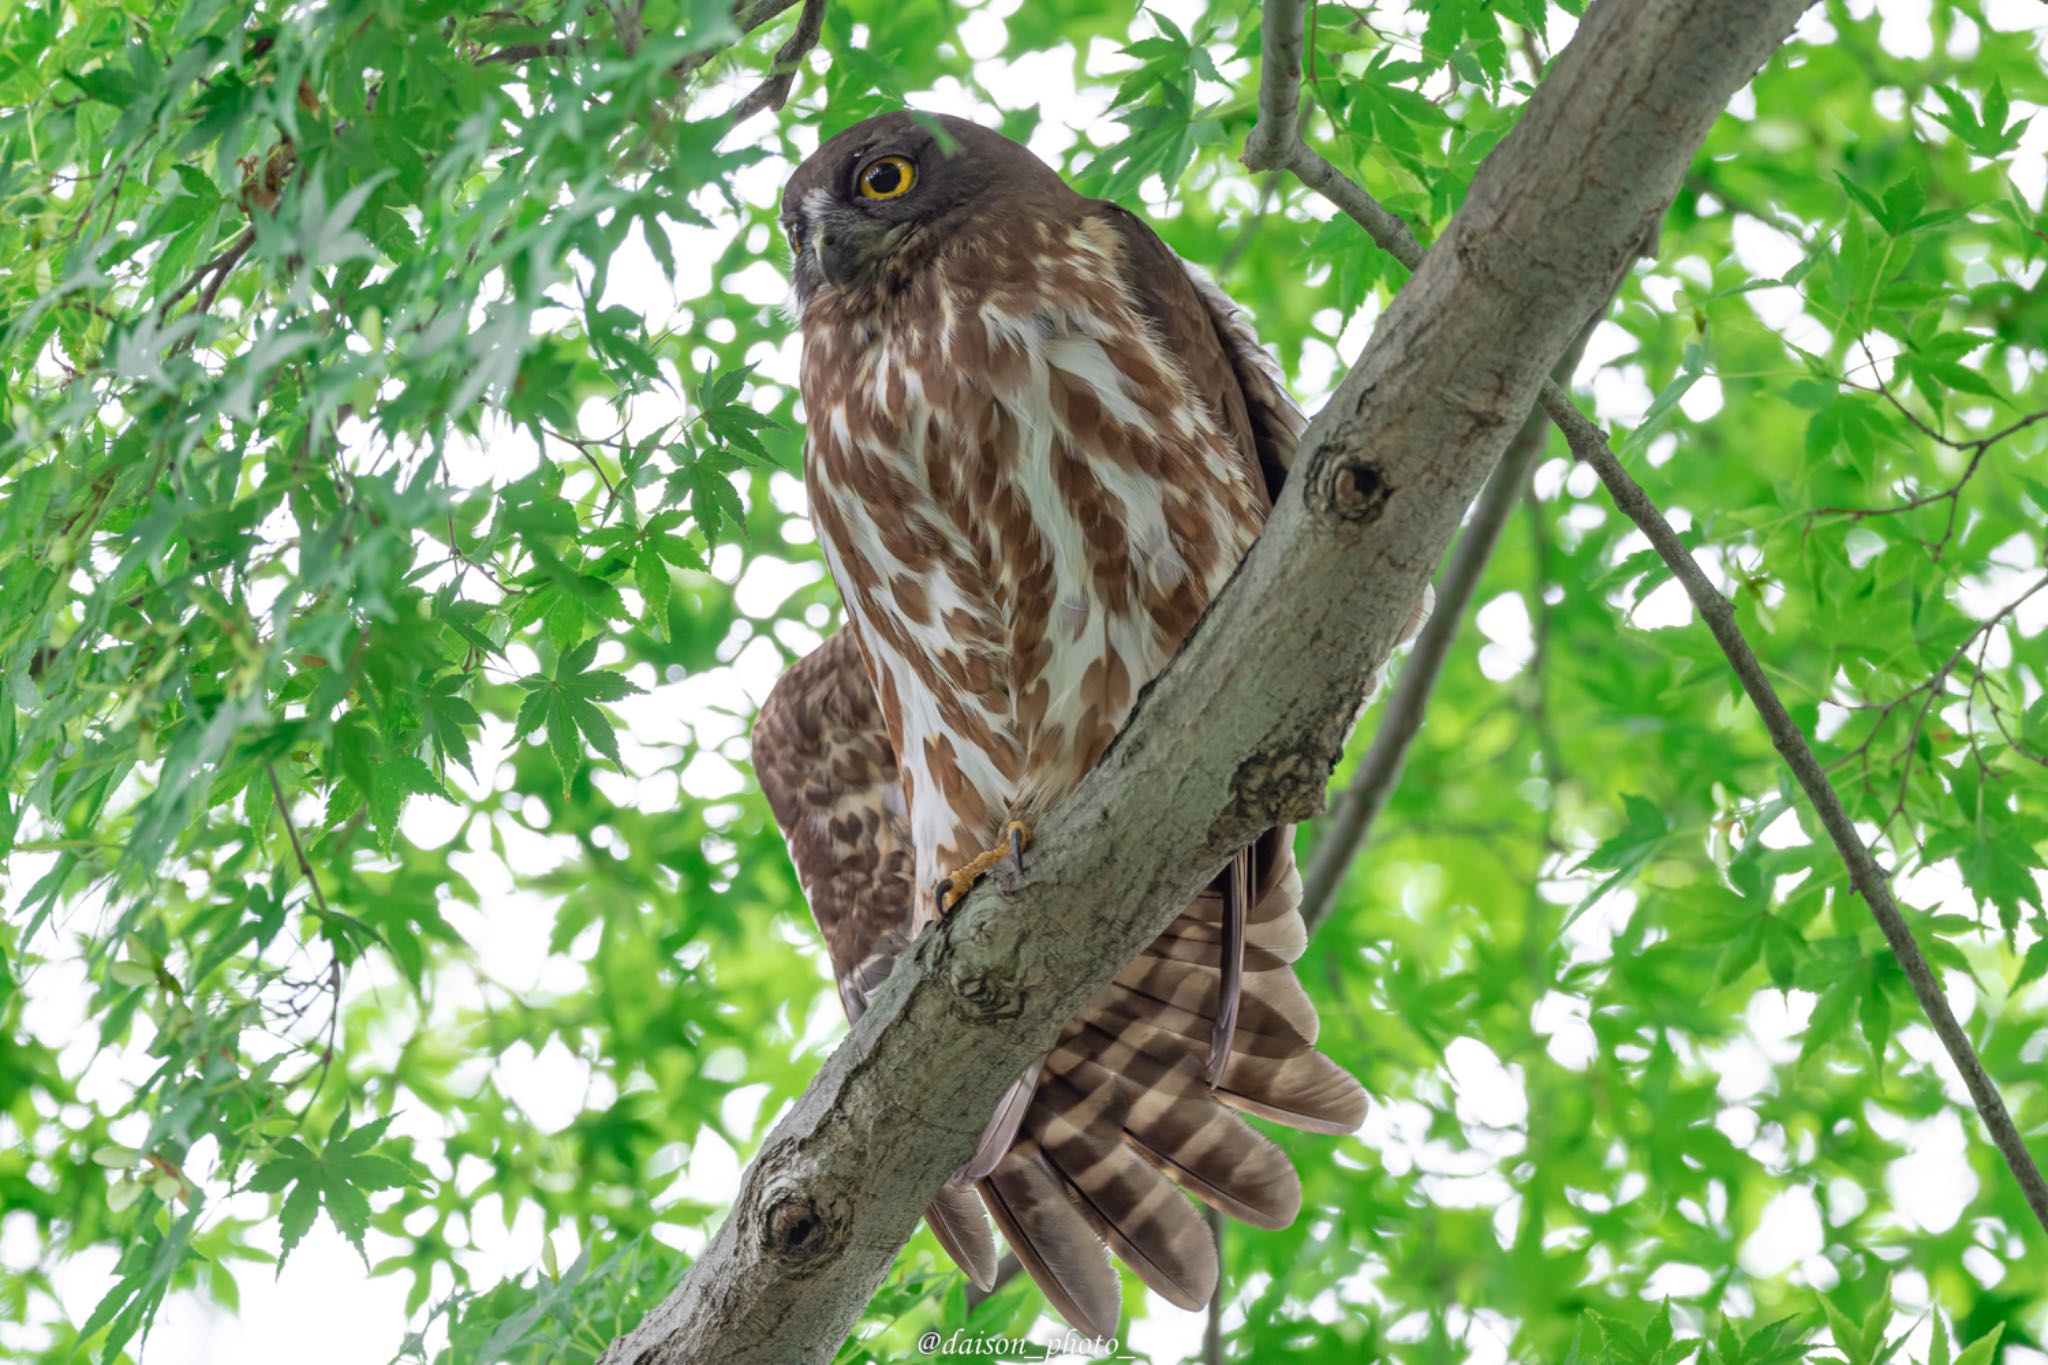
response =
{"points": [[774, 88], [1342, 833], [747, 15], [1281, 146], [1242, 730]]}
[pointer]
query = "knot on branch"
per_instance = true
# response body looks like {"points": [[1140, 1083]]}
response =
{"points": [[1356, 492], [795, 1231], [1279, 786], [986, 997]]}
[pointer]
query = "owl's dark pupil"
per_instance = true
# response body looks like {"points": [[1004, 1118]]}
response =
{"points": [[885, 178]]}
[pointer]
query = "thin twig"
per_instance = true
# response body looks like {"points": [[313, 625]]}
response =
{"points": [[334, 963], [1276, 142], [1007, 1269], [229, 261], [628, 22], [583, 447], [87, 305], [298, 849], [1212, 1324], [1549, 752], [773, 92], [1532, 54], [746, 17], [1953, 493], [1931, 691], [217, 267], [528, 52]]}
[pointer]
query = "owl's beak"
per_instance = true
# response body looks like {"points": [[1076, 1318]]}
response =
{"points": [[839, 255], [847, 246], [845, 243]]}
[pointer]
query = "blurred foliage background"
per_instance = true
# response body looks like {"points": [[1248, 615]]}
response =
{"points": [[399, 523]]}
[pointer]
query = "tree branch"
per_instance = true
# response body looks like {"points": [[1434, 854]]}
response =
{"points": [[789, 59], [528, 52], [747, 16], [1212, 1321], [1241, 731], [1588, 443], [1953, 493], [1341, 833], [218, 268]]}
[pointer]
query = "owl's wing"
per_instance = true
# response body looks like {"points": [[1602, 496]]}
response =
{"points": [[830, 776], [825, 765], [1196, 319], [1208, 333]]}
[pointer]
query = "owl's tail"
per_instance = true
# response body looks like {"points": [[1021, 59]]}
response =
{"points": [[963, 1233], [1124, 1111]]}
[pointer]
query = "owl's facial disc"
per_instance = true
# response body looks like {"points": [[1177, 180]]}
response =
{"points": [[846, 235], [869, 209]]}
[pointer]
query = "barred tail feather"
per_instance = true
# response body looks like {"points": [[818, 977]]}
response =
{"points": [[1309, 1092], [956, 1220], [1124, 1118], [1272, 1072], [1167, 1112], [1051, 1240], [1146, 1221], [1191, 986]]}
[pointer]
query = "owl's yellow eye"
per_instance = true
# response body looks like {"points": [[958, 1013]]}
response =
{"points": [[886, 177]]}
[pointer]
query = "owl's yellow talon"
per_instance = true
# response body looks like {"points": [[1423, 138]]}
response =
{"points": [[961, 879]]}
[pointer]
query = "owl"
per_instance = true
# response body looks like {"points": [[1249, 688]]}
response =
{"points": [[1038, 444]]}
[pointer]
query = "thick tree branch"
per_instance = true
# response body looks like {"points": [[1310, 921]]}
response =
{"points": [[1282, 144], [1243, 729]]}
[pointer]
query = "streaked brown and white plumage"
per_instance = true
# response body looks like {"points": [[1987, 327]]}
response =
{"points": [[1038, 446]]}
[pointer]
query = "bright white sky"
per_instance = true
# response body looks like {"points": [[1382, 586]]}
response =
{"points": [[323, 1309]]}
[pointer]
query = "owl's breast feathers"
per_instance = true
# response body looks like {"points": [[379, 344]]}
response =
{"points": [[1026, 497]]}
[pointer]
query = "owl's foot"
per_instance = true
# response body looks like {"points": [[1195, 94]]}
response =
{"points": [[952, 888]]}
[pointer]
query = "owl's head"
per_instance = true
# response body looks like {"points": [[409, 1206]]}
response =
{"points": [[883, 194]]}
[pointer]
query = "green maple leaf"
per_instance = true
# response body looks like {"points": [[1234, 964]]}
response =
{"points": [[1628, 852], [565, 704], [1994, 847], [736, 426], [348, 1168], [447, 715], [399, 775]]}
